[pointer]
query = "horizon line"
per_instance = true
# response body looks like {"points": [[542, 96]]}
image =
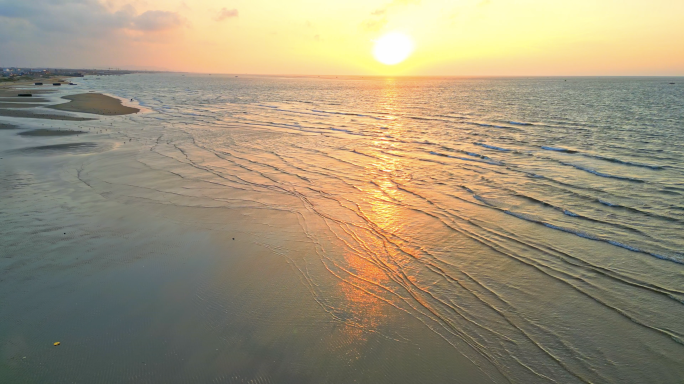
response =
{"points": [[337, 75]]}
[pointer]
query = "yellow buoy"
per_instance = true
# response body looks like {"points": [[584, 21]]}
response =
{"points": [[57, 343]]}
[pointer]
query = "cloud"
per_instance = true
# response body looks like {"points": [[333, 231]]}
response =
{"points": [[374, 25], [393, 4], [77, 33], [227, 14], [157, 21], [84, 18], [378, 17], [184, 7], [404, 2]]}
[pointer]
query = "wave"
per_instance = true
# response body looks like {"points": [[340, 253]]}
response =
{"points": [[630, 163], [594, 237], [453, 117], [351, 114], [597, 173], [289, 110], [668, 192], [606, 203], [426, 118], [641, 212], [519, 123], [490, 125], [473, 154], [558, 149], [625, 246], [492, 147], [485, 161]]}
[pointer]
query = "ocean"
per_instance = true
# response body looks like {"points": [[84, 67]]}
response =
{"points": [[506, 230]]}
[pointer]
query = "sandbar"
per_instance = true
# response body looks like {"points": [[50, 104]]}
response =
{"points": [[23, 99], [16, 105], [79, 148], [8, 126], [94, 103], [50, 132], [14, 92], [33, 115]]}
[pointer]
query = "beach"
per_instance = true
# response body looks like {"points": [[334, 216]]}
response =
{"points": [[173, 291], [271, 230]]}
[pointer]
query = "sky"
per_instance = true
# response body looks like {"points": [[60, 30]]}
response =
{"points": [[307, 37]]}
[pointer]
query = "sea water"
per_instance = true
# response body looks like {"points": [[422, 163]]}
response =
{"points": [[532, 225]]}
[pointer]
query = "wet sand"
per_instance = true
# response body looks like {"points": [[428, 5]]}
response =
{"points": [[13, 89], [61, 149], [92, 103], [23, 99], [11, 105], [183, 289], [29, 113], [14, 92], [16, 105], [95, 103], [50, 132], [152, 257], [8, 126]]}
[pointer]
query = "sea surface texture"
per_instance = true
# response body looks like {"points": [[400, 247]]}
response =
{"points": [[511, 230]]}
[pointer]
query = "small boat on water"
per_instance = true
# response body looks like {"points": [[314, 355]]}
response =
{"points": [[39, 83], [56, 84], [25, 95]]}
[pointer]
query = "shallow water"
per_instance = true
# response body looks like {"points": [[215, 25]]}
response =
{"points": [[436, 230]]}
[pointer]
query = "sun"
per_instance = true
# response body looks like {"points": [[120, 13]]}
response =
{"points": [[392, 48]]}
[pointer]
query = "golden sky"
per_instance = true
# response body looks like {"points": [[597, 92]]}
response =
{"points": [[455, 38]]}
